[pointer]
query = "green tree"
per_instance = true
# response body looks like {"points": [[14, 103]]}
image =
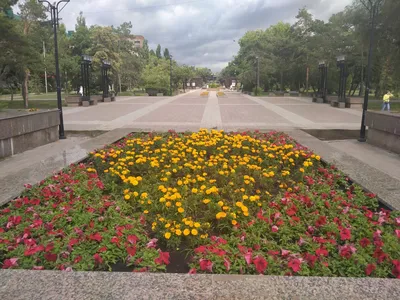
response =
{"points": [[158, 51], [166, 53]]}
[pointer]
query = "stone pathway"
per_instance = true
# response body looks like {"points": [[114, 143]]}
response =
{"points": [[191, 112]]}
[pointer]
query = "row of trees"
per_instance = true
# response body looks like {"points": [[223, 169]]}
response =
{"points": [[289, 54], [27, 47]]}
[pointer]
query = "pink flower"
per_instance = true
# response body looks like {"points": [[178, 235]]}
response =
{"points": [[321, 221], [275, 228], [133, 239], [295, 265], [152, 243], [369, 269], [285, 252], [38, 268], [347, 251], [9, 263], [321, 252], [227, 264], [200, 249], [163, 258], [247, 257], [345, 234], [193, 271], [115, 240], [301, 241], [206, 265], [34, 249], [397, 231], [396, 269], [261, 264]]}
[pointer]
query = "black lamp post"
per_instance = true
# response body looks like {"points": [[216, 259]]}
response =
{"points": [[170, 75], [54, 18], [85, 76], [258, 75], [323, 69], [341, 63], [373, 7], [105, 67]]}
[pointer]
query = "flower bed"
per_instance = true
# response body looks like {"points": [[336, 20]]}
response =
{"points": [[204, 94], [231, 203], [221, 94]]}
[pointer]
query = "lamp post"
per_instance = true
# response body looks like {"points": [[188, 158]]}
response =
{"points": [[105, 66], [85, 76], [341, 59], [54, 18], [323, 68], [170, 75], [373, 7], [258, 75]]}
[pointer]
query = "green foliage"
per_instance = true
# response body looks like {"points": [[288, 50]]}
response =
{"points": [[214, 85], [257, 91]]}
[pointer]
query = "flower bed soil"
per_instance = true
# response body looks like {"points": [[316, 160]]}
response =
{"points": [[205, 202]]}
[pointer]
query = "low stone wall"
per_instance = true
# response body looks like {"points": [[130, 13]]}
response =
{"points": [[24, 132], [384, 130]]}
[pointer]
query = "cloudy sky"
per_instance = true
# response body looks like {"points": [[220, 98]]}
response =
{"points": [[202, 32]]}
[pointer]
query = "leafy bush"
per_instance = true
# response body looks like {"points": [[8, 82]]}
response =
{"points": [[257, 91]]}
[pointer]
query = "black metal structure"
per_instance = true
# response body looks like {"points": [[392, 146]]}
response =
{"points": [[323, 89], [85, 76], [105, 81], [54, 20], [373, 8], [341, 64]]}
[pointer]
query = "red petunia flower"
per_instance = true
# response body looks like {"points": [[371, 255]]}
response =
{"points": [[96, 237], [397, 231], [131, 250], [133, 239], [227, 264], [200, 249], [364, 242], [50, 257], [369, 269], [295, 265], [34, 249], [206, 265], [103, 249], [9, 263], [345, 234], [396, 269], [192, 271], [247, 257], [163, 258], [321, 252], [261, 264], [152, 243], [97, 258], [321, 221]]}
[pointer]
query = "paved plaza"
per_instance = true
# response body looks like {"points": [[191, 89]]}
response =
{"points": [[190, 111]]}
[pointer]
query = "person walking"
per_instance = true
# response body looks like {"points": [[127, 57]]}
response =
{"points": [[386, 101]]}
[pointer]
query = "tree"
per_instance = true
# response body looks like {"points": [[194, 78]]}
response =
{"points": [[32, 13], [166, 53], [158, 51]]}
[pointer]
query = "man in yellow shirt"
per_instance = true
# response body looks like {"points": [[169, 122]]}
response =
{"points": [[386, 101]]}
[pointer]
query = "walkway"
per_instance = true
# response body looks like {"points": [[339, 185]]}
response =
{"points": [[191, 112]]}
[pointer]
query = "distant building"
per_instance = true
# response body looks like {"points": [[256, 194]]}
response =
{"points": [[137, 40]]}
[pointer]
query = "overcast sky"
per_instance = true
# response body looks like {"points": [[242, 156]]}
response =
{"points": [[202, 32]]}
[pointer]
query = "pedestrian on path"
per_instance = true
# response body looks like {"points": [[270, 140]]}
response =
{"points": [[386, 101]]}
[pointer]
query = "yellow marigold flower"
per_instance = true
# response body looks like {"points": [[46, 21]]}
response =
{"points": [[206, 201], [194, 232], [135, 194], [245, 197], [180, 210], [178, 232], [186, 232], [178, 204], [180, 182], [239, 204], [225, 207], [220, 215], [126, 191], [144, 195], [127, 197], [167, 235], [301, 170], [318, 157], [194, 190], [246, 214], [220, 203], [234, 222], [197, 224], [168, 204], [168, 225], [146, 211], [244, 208], [134, 182]]}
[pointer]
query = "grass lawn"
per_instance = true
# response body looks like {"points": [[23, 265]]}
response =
{"points": [[48, 96], [221, 203], [394, 106], [39, 104]]}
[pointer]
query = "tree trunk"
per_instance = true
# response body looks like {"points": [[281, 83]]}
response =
{"points": [[281, 81], [12, 94], [25, 89]]}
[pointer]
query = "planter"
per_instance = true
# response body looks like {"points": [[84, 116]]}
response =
{"points": [[73, 100], [160, 95], [28, 131], [384, 130]]}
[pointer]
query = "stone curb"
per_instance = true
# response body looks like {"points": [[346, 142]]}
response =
{"points": [[32, 285]]}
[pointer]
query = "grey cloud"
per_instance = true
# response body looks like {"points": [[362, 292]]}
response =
{"points": [[193, 29]]}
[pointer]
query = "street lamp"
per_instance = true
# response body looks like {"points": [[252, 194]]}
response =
{"points": [[258, 75], [170, 75], [341, 59], [373, 7], [323, 68], [105, 66], [85, 75], [54, 17]]}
